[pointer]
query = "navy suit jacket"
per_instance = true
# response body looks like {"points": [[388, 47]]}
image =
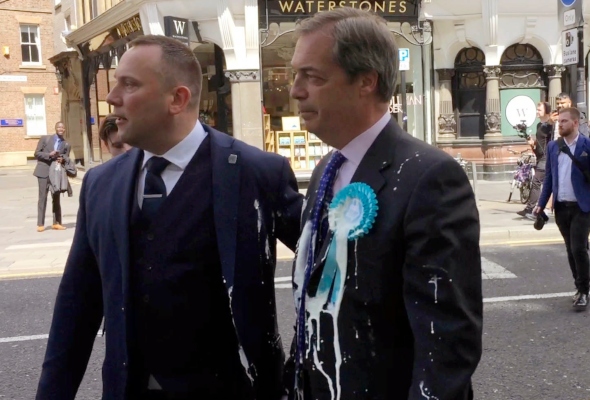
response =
{"points": [[581, 187], [255, 200]]}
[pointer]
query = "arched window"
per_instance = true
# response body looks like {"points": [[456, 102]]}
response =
{"points": [[522, 67], [469, 93]]}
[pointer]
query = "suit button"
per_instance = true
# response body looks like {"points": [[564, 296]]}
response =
{"points": [[149, 268], [146, 298], [150, 236]]}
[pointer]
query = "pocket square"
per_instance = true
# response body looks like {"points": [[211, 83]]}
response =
{"points": [[584, 154]]}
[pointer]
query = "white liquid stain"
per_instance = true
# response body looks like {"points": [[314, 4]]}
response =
{"points": [[432, 327], [425, 392], [434, 280]]}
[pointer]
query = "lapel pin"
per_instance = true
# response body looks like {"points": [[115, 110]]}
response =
{"points": [[233, 158]]}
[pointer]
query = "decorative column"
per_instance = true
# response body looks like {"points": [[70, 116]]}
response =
{"points": [[492, 73], [447, 126], [554, 73], [246, 106]]}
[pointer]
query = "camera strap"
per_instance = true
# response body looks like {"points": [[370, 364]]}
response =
{"points": [[563, 147]]}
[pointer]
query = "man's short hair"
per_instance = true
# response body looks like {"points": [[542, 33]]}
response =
{"points": [[574, 112], [59, 122], [546, 106], [179, 66], [563, 96], [107, 126], [362, 43]]}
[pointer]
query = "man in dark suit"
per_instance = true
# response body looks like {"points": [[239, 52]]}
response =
{"points": [[389, 306], [570, 187], [175, 245], [50, 149]]}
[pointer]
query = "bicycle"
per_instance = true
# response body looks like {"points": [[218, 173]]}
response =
{"points": [[523, 175]]}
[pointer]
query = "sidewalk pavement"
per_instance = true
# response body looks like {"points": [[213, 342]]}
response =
{"points": [[24, 252]]}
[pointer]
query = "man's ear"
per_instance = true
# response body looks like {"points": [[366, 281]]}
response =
{"points": [[369, 82], [181, 96]]}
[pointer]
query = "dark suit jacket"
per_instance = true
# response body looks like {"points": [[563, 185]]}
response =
{"points": [[401, 334], [581, 187], [44, 147], [255, 202]]}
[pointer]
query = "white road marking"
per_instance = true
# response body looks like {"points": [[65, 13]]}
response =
{"points": [[22, 338], [283, 279], [527, 297], [66, 243], [491, 270]]}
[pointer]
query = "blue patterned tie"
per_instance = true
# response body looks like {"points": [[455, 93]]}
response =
{"points": [[154, 192], [318, 214]]}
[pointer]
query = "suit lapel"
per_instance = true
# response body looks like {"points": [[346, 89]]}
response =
{"points": [[124, 186], [377, 158], [226, 194]]}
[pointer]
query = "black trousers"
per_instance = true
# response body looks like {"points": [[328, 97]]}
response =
{"points": [[42, 205], [574, 225], [535, 189]]}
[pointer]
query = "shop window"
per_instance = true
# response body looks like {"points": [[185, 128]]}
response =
{"points": [[30, 44], [469, 93], [35, 115]]}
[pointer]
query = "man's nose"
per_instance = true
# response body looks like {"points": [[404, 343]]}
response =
{"points": [[297, 91], [112, 97]]}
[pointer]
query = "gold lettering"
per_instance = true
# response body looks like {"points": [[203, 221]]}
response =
{"points": [[402, 6], [380, 7], [353, 3], [367, 4], [286, 6], [331, 5], [321, 6], [309, 4], [342, 4], [300, 7], [392, 7]]}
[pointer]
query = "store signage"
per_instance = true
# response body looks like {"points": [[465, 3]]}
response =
{"points": [[569, 45], [11, 122], [521, 109], [404, 59], [128, 27], [177, 28], [392, 10], [13, 78]]}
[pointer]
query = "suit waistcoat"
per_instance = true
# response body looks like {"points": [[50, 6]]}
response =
{"points": [[181, 327]]}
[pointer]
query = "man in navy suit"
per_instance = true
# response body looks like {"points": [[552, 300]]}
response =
{"points": [[566, 180], [389, 303], [175, 246]]}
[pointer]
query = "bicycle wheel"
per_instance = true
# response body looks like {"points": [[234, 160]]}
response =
{"points": [[525, 192]]}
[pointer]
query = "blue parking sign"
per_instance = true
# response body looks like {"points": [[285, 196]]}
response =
{"points": [[404, 59]]}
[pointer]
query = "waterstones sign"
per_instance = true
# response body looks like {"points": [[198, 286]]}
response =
{"points": [[284, 10]]}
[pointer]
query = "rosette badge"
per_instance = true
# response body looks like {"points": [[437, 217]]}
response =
{"points": [[353, 210]]}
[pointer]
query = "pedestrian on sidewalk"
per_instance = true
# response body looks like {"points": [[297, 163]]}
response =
{"points": [[539, 146], [387, 277], [568, 179], [563, 100], [108, 132], [50, 149], [175, 245]]}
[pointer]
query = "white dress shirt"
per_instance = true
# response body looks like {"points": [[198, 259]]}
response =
{"points": [[355, 150], [565, 189], [179, 157]]}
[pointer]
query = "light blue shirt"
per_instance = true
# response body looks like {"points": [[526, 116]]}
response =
{"points": [[565, 189], [57, 142]]}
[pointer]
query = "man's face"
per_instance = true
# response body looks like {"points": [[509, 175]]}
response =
{"points": [[115, 145], [564, 103], [540, 110], [327, 97], [60, 129], [140, 100], [567, 125]]}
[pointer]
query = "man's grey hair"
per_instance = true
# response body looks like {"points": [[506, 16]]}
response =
{"points": [[362, 43]]}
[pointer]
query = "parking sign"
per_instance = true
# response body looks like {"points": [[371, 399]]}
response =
{"points": [[404, 59]]}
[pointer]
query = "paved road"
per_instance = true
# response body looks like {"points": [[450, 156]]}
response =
{"points": [[534, 347]]}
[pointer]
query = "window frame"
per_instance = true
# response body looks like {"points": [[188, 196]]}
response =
{"points": [[37, 44], [40, 130]]}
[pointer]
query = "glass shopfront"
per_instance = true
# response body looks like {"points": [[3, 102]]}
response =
{"points": [[284, 131]]}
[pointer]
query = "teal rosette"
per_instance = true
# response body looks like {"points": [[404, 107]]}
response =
{"points": [[353, 208]]}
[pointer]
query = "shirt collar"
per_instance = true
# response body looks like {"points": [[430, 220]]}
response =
{"points": [[574, 141], [356, 149], [181, 154]]}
